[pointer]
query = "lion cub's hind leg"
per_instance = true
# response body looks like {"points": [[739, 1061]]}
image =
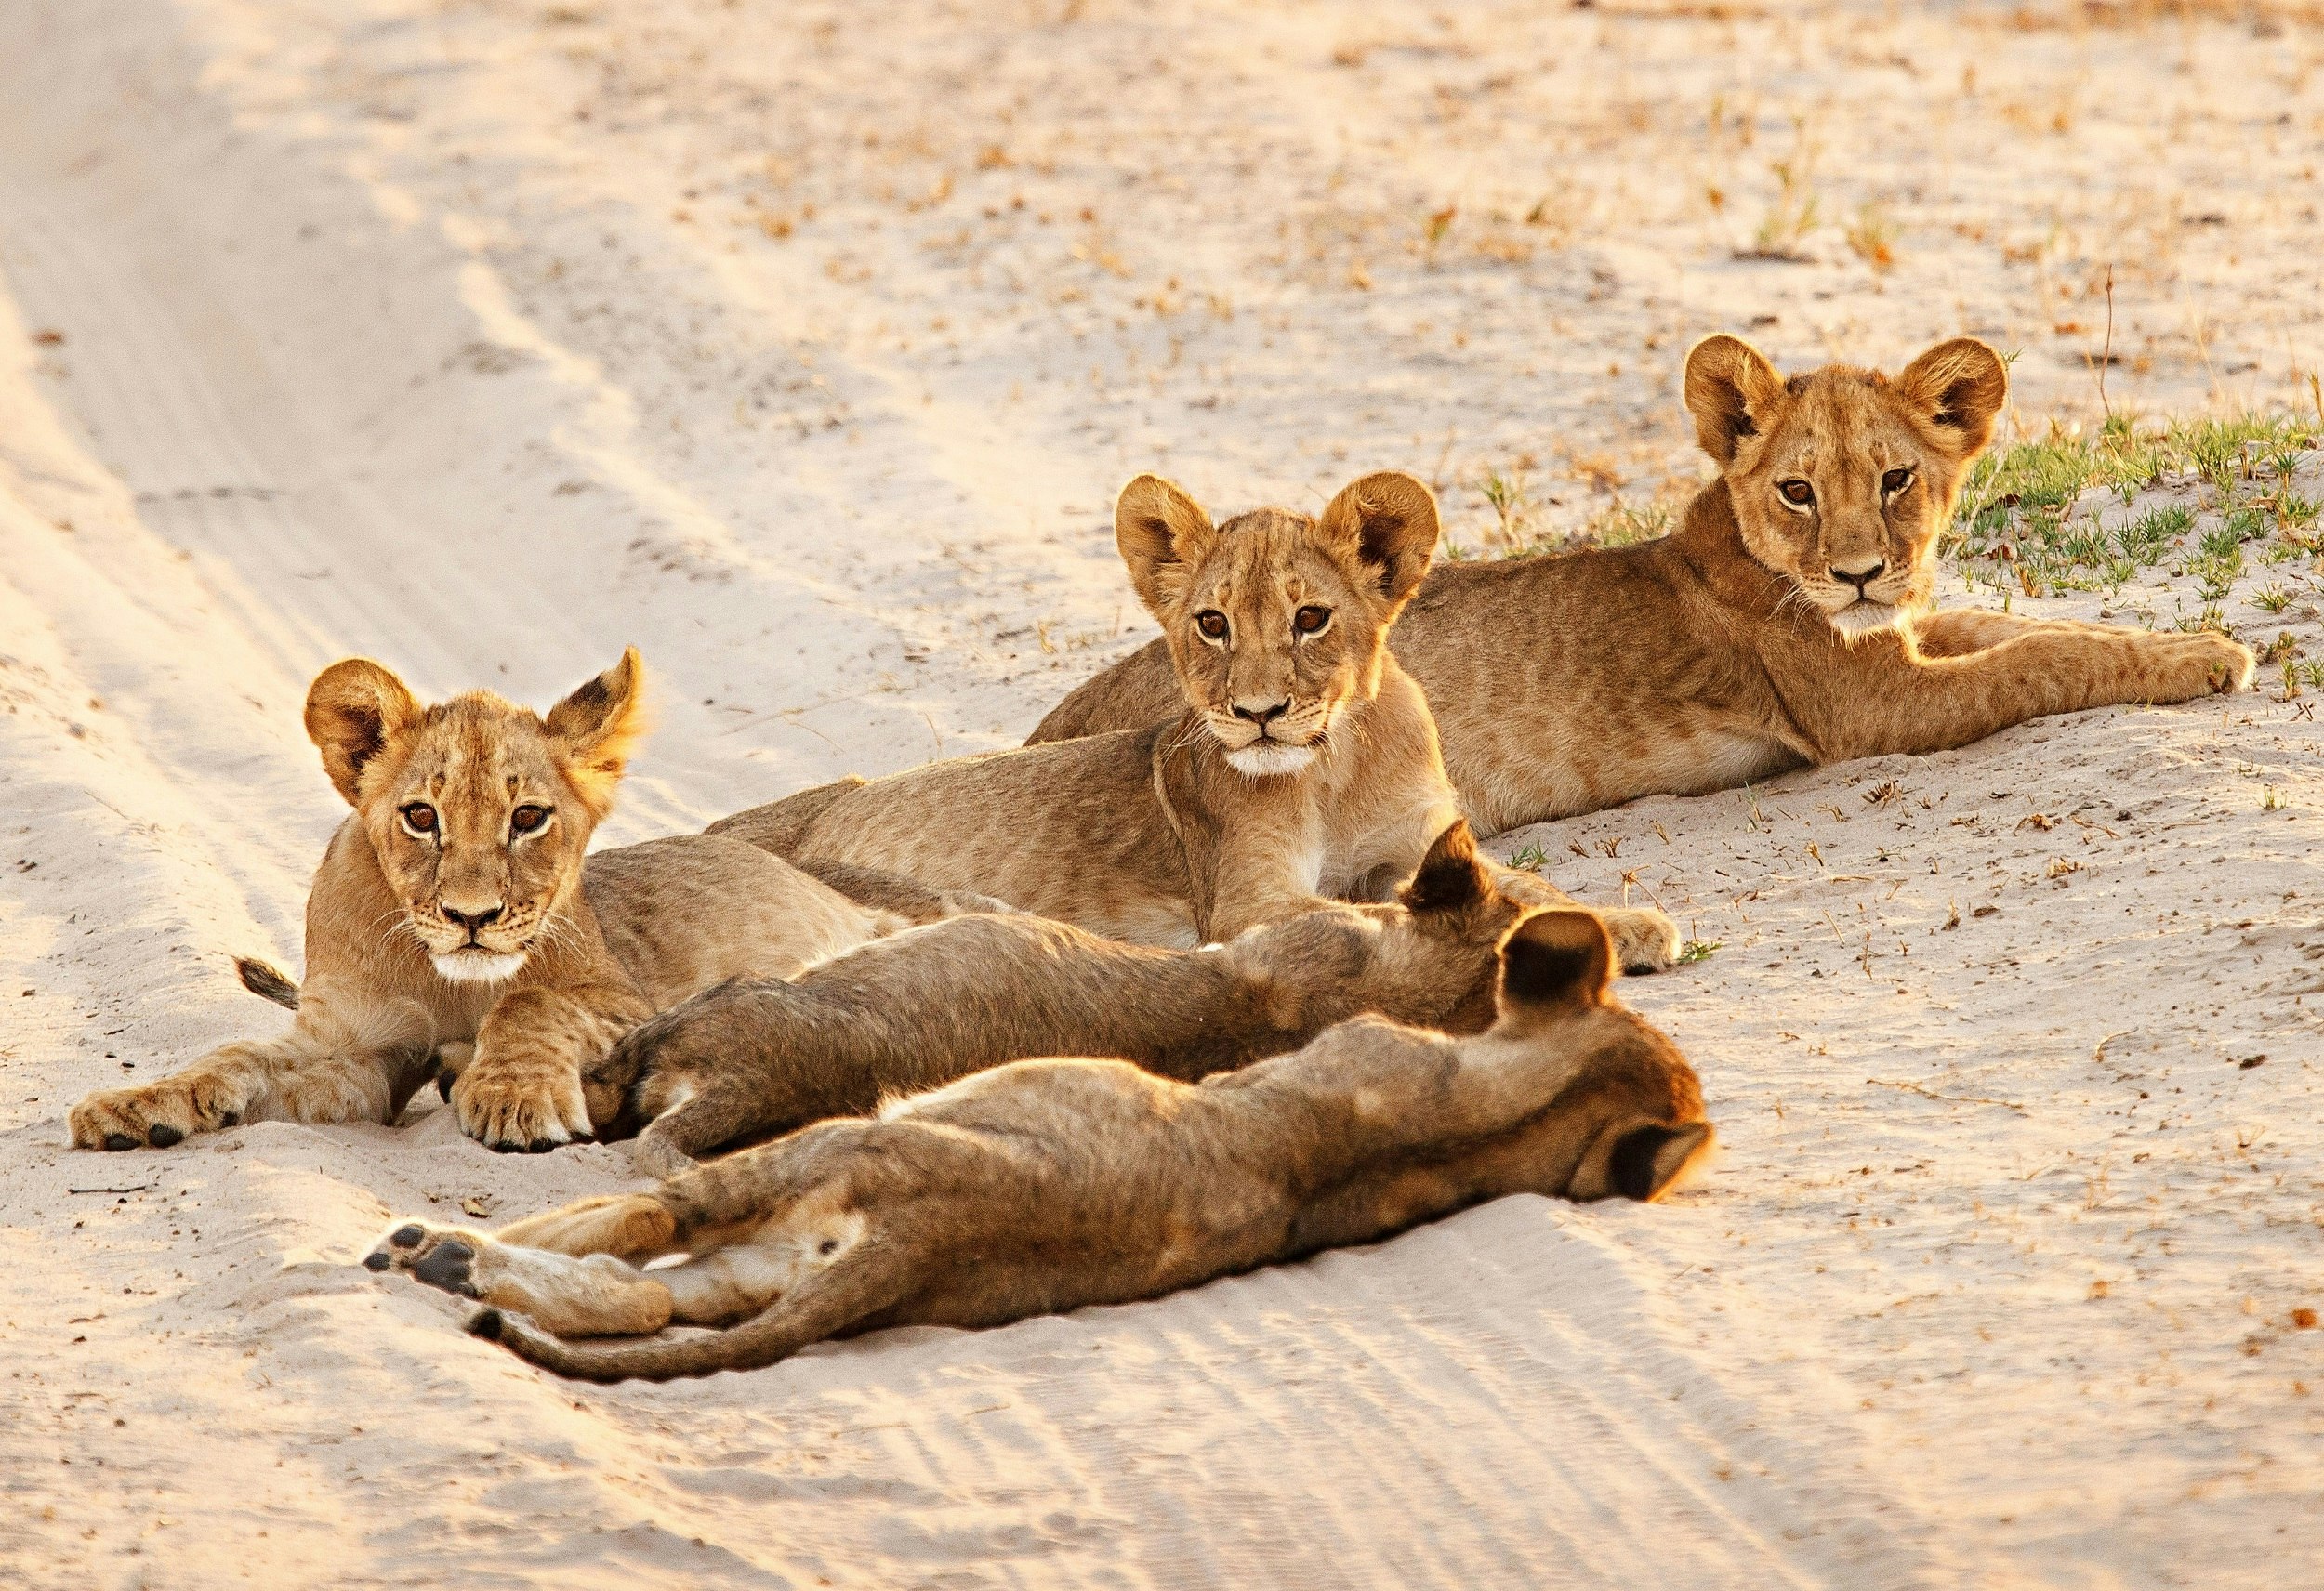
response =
{"points": [[594, 1295], [624, 1224]]}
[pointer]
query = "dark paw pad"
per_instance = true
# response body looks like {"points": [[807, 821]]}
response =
{"points": [[377, 1260], [485, 1325], [162, 1136], [119, 1141], [539, 1146], [230, 1119], [408, 1237], [446, 1265]]}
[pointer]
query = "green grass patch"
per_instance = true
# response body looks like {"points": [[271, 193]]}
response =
{"points": [[2018, 506]]}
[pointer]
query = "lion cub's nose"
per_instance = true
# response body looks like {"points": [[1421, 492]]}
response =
{"points": [[472, 921], [1263, 717], [1860, 578]]}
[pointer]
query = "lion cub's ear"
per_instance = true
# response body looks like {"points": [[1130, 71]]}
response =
{"points": [[1452, 876], [593, 730], [354, 708], [1958, 387], [1161, 532], [1732, 392], [1388, 520], [1556, 961]]}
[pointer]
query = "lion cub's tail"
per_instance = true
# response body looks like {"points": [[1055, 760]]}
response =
{"points": [[266, 982]]}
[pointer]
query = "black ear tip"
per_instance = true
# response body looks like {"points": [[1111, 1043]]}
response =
{"points": [[1556, 957], [1649, 1159], [485, 1323], [1450, 874], [1631, 1171]]}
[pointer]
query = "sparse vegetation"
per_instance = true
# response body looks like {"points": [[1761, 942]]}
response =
{"points": [[2023, 505], [1873, 237]]}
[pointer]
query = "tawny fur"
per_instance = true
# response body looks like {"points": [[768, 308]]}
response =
{"points": [[1046, 1185], [1739, 646], [1161, 832], [920, 1009], [590, 949]]}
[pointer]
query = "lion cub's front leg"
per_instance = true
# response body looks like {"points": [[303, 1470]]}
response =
{"points": [[219, 1090], [2051, 665], [321, 1070], [522, 1089]]}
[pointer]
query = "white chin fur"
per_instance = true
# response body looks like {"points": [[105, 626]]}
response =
{"points": [[1863, 618], [478, 967], [1263, 759]]}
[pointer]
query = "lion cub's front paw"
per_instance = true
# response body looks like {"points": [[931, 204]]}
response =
{"points": [[1644, 939], [159, 1113], [2229, 662], [532, 1107], [2202, 664]]}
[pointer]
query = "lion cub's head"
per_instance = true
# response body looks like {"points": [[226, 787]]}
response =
{"points": [[1431, 959], [1843, 478], [479, 810], [1276, 622]]}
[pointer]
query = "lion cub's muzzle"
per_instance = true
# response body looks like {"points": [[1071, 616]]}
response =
{"points": [[1272, 740], [1858, 606], [475, 946]]}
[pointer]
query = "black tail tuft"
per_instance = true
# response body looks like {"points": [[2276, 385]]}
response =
{"points": [[485, 1325], [267, 983]]}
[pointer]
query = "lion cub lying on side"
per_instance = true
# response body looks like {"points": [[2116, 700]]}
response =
{"points": [[1046, 1185], [923, 1007], [455, 909], [1785, 622], [1293, 760]]}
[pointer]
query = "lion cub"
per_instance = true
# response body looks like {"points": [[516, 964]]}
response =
{"points": [[908, 1013], [1046, 1185], [1785, 623], [1294, 761], [455, 909]]}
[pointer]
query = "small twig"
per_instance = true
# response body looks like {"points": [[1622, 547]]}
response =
{"points": [[2106, 358], [2098, 1050], [1437, 476], [1948, 1099], [141, 1188]]}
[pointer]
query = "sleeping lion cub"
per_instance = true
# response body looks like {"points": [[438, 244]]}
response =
{"points": [[1784, 622], [1045, 1184], [923, 1007], [1291, 760], [454, 912]]}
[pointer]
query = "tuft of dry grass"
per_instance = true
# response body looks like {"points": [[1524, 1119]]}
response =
{"points": [[1872, 237]]}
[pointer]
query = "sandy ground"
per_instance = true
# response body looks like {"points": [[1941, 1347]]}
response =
{"points": [[805, 347]]}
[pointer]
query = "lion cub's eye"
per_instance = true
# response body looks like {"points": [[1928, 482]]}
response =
{"points": [[1798, 493], [419, 817], [1213, 623], [1311, 621], [1896, 481], [528, 819]]}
